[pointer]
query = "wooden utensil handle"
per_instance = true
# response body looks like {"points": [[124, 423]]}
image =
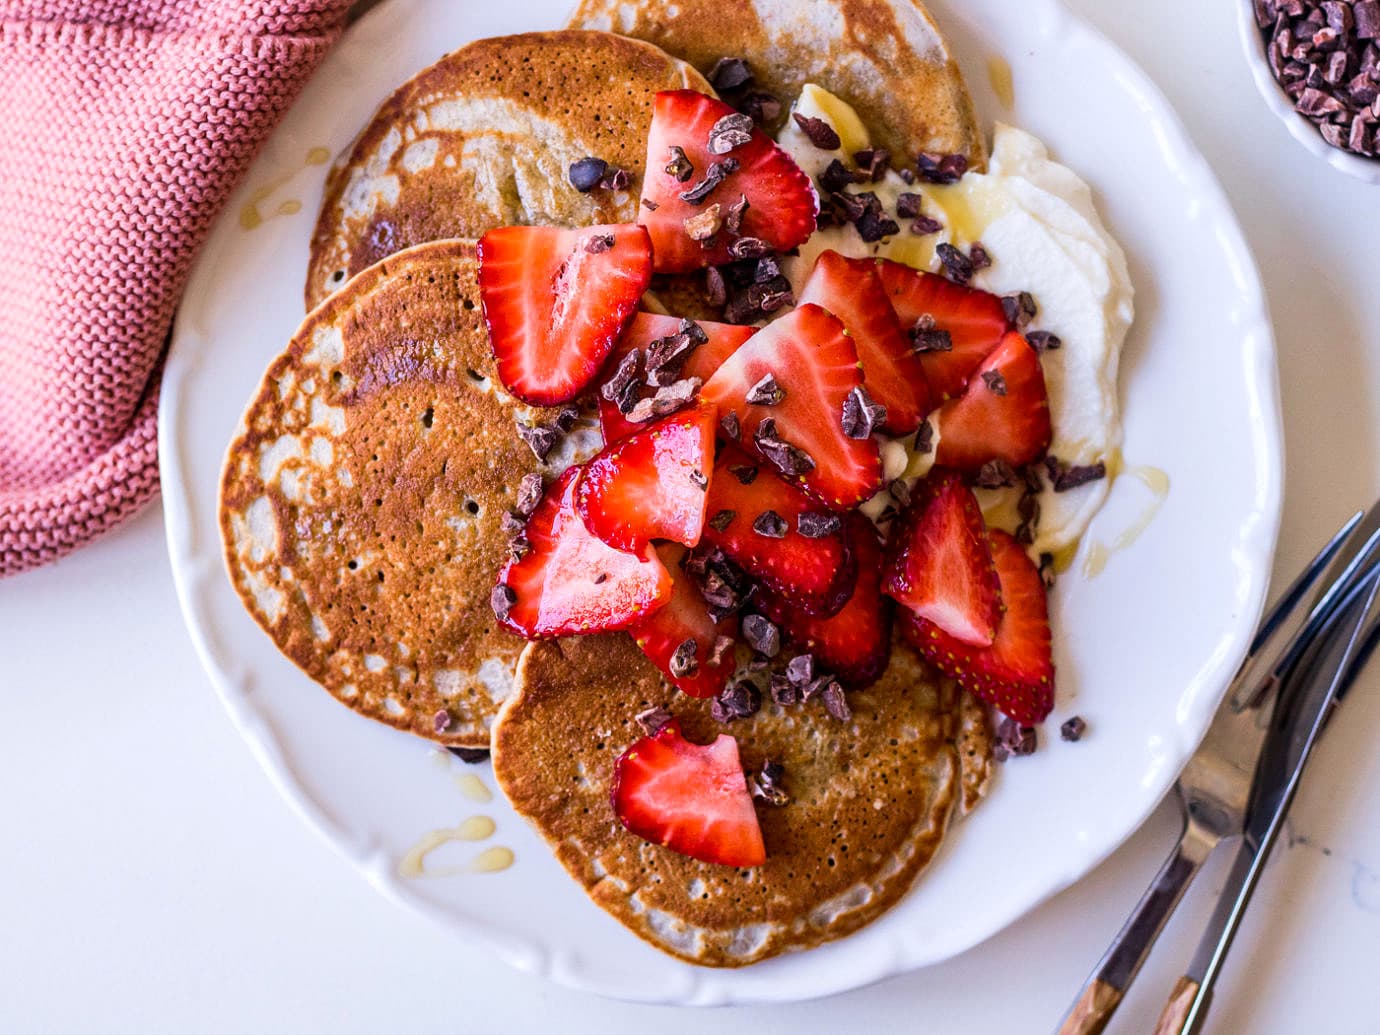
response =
{"points": [[1174, 1016], [1093, 1009], [1118, 968]]}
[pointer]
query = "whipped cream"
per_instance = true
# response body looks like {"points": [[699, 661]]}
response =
{"points": [[1036, 219]]}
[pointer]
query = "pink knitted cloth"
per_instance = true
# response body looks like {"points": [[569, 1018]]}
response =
{"points": [[124, 124]]}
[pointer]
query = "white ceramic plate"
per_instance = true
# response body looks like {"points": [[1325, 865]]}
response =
{"points": [[1144, 649], [1300, 128]]}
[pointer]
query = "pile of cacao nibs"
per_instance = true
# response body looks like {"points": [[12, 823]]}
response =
{"points": [[1326, 56]]}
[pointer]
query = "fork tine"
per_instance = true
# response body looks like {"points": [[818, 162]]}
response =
{"points": [[1302, 583], [1341, 589], [1284, 623], [1318, 639]]}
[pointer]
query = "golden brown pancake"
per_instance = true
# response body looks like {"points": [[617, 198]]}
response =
{"points": [[871, 799], [886, 58], [484, 138], [361, 501]]}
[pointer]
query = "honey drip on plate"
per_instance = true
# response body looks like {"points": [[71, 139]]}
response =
{"points": [[492, 860], [476, 828], [250, 214], [472, 787], [999, 75], [1098, 553]]}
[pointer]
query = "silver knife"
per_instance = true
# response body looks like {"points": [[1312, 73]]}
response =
{"points": [[1214, 790], [1320, 676]]}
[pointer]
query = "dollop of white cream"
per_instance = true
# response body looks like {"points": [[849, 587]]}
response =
{"points": [[1037, 220]]}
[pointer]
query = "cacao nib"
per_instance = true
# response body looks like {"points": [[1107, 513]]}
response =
{"points": [[937, 168], [529, 494], [729, 74], [586, 174], [819, 133], [652, 719], [815, 524], [679, 167], [716, 174], [502, 600], [730, 133], [470, 756], [861, 415]]}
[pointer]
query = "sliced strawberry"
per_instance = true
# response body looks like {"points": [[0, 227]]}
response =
{"points": [[939, 561], [852, 290], [569, 581], [703, 360], [1016, 673], [1003, 414], [691, 798], [781, 202], [854, 644], [816, 573], [814, 364], [556, 300], [651, 485], [974, 320], [664, 634]]}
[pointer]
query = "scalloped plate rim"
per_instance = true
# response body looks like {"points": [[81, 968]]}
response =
{"points": [[705, 986]]}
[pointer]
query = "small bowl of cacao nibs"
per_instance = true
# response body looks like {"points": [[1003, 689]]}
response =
{"points": [[1317, 64]]}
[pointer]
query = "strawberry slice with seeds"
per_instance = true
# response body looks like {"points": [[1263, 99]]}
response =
{"points": [[701, 149], [853, 291], [1016, 672], [954, 327], [939, 561], [691, 798], [570, 581], [809, 363], [651, 485], [854, 644], [682, 639], [1003, 414], [657, 336], [777, 534], [556, 300]]}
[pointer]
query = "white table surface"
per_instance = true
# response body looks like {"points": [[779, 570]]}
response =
{"points": [[151, 880]]}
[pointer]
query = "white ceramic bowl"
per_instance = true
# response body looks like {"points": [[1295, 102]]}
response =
{"points": [[1300, 128]]}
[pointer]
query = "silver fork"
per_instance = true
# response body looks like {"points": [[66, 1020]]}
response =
{"points": [[1214, 788]]}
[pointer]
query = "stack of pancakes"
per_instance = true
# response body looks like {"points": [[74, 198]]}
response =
{"points": [[363, 500]]}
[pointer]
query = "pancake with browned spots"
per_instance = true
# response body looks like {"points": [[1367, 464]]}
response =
{"points": [[871, 798], [886, 58], [484, 138], [362, 498]]}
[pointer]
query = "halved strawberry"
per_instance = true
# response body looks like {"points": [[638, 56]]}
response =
{"points": [[651, 485], [756, 519], [854, 644], [781, 202], [556, 300], [974, 320], [1015, 673], [680, 638], [702, 361], [1003, 414], [852, 290], [814, 366], [569, 581], [692, 798], [939, 561]]}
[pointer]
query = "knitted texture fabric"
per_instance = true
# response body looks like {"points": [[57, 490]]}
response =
{"points": [[124, 125]]}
